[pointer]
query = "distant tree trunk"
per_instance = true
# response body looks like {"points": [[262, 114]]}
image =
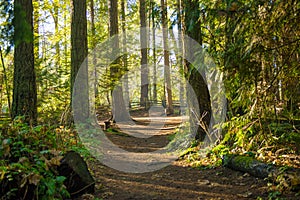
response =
{"points": [[154, 53], [168, 87], [54, 13], [144, 60], [118, 106], [181, 54], [7, 88], [93, 45], [56, 27], [125, 61], [66, 48], [195, 79], [36, 19], [24, 91], [79, 52], [36, 41]]}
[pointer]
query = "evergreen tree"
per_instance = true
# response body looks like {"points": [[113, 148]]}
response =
{"points": [[144, 60], [79, 53], [194, 77], [24, 91]]}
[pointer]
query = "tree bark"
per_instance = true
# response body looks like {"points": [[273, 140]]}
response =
{"points": [[24, 91], [119, 112], [125, 60], [144, 59], [79, 52], [56, 28], [154, 53], [78, 178], [168, 87], [193, 30], [181, 55], [7, 88], [93, 45], [36, 43]]}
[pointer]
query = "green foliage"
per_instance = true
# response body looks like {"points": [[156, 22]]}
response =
{"points": [[117, 132], [220, 150], [274, 195], [254, 43], [245, 134], [53, 188], [53, 98], [238, 132], [171, 136], [82, 151], [6, 30], [31, 156]]}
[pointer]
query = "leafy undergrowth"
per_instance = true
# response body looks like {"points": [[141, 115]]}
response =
{"points": [[30, 157], [270, 142]]}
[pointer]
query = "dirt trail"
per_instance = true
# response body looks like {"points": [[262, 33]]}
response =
{"points": [[175, 181]]}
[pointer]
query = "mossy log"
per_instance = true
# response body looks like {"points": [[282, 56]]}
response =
{"points": [[249, 165], [285, 176], [78, 178]]}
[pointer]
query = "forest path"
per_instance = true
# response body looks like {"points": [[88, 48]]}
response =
{"points": [[175, 181]]}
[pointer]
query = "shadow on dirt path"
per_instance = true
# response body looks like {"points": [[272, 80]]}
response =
{"points": [[176, 181]]}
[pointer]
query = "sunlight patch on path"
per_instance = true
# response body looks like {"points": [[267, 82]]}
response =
{"points": [[153, 126]]}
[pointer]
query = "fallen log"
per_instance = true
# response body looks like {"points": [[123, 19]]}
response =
{"points": [[288, 178]]}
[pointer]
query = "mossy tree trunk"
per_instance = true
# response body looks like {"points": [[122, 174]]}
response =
{"points": [[24, 91]]}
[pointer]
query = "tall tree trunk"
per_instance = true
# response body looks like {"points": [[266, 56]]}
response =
{"points": [[168, 87], [79, 51], [144, 59], [154, 53], [118, 106], [54, 11], [195, 79], [24, 92], [36, 39], [56, 25], [93, 45], [181, 55], [7, 88], [125, 61], [66, 48]]}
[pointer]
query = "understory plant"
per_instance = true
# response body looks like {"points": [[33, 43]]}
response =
{"points": [[30, 158]]}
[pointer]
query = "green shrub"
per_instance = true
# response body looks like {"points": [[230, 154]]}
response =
{"points": [[31, 156]]}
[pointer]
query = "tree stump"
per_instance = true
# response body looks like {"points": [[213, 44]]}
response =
{"points": [[78, 178]]}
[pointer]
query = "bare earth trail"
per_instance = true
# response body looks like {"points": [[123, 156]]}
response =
{"points": [[175, 181]]}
